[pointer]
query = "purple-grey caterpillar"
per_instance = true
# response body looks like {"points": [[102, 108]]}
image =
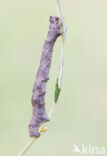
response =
{"points": [[39, 90]]}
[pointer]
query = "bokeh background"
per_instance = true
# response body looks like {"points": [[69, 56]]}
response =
{"points": [[81, 113]]}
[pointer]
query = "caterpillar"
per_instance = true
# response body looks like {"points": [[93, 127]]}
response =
{"points": [[39, 90]]}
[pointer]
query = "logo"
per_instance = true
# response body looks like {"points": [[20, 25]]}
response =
{"points": [[89, 150]]}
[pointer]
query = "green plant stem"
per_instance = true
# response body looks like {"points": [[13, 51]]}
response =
{"points": [[27, 147], [63, 41]]}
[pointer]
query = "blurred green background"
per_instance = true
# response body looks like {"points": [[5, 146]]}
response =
{"points": [[81, 113]]}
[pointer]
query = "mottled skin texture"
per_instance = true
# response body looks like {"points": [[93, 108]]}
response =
{"points": [[39, 89]]}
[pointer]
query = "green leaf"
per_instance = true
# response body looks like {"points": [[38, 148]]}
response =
{"points": [[57, 92]]}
